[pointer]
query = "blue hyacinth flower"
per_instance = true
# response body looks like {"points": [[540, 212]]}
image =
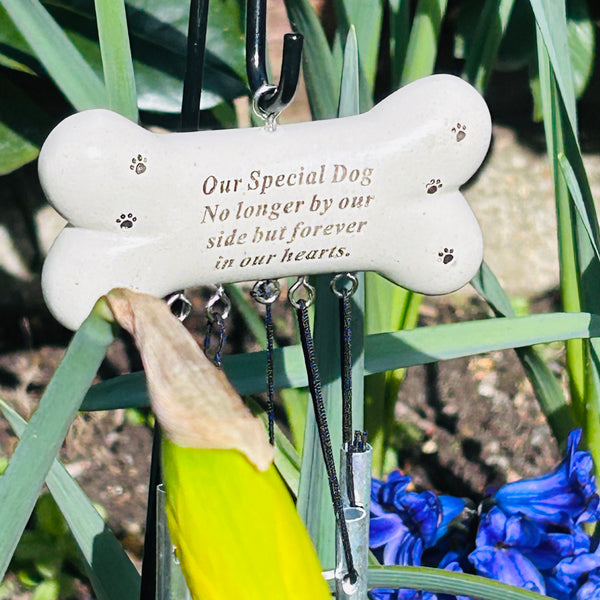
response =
{"points": [[571, 574], [403, 523], [499, 555], [590, 590], [565, 496]]}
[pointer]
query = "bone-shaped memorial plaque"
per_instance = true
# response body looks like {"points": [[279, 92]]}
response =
{"points": [[161, 212]]}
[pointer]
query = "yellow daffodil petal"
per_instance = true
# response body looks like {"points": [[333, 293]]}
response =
{"points": [[236, 529]]}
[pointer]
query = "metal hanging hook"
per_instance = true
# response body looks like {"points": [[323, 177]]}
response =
{"points": [[180, 306], [218, 297], [301, 286], [269, 99]]}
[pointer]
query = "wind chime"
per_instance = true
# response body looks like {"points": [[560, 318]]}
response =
{"points": [[375, 192]]}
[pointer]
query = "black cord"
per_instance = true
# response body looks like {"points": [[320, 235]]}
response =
{"points": [[270, 378], [346, 365], [346, 370], [314, 384]]}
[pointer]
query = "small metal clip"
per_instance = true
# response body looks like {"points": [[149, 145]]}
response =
{"points": [[299, 286], [223, 298], [342, 290], [180, 306], [266, 291], [216, 323]]}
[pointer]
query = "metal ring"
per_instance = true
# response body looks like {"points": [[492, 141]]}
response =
{"points": [[266, 291], [218, 296], [185, 308], [340, 293], [270, 118], [308, 289]]}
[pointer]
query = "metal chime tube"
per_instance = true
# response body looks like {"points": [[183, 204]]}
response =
{"points": [[357, 521], [170, 582]]}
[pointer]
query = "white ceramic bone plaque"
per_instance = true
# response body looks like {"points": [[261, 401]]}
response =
{"points": [[161, 212]]}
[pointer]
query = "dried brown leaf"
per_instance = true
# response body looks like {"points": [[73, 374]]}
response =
{"points": [[194, 402]]}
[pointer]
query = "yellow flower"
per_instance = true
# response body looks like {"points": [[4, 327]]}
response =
{"points": [[231, 518]]}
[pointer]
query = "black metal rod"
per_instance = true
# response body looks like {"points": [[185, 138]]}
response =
{"points": [[274, 101], [149, 566], [194, 71]]}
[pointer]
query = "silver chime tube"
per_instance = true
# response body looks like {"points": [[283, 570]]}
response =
{"points": [[170, 583], [357, 522]]}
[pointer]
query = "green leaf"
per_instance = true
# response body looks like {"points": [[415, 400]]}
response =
{"points": [[583, 209], [112, 574], [61, 59], [423, 41], [47, 590], [399, 33], [383, 352], [388, 308], [116, 57], [349, 90], [23, 125], [366, 18], [320, 76], [582, 41], [295, 403], [253, 322], [23, 479], [552, 24], [555, 128], [484, 41], [158, 37], [446, 582]]}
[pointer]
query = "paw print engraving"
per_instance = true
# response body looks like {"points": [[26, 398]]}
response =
{"points": [[433, 186], [138, 164], [446, 256], [460, 131], [126, 221]]}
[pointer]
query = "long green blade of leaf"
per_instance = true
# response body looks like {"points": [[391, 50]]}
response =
{"points": [[29, 465], [591, 228], [116, 57], [322, 81], [56, 52], [486, 41], [399, 20], [423, 41], [446, 582], [551, 20], [383, 352], [570, 288], [112, 574], [366, 17], [349, 90]]}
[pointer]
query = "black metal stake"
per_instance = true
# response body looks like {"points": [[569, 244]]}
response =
{"points": [[274, 98], [192, 83]]}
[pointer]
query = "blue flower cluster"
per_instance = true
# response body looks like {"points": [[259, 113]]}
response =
{"points": [[528, 533]]}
